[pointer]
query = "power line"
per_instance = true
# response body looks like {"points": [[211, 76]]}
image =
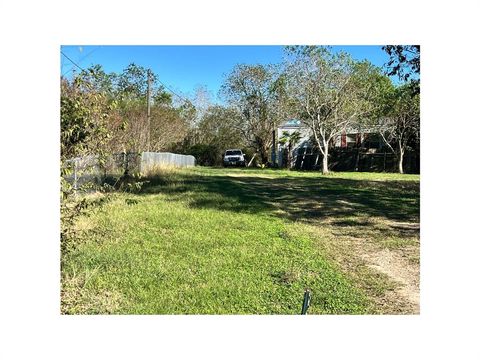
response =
{"points": [[73, 62], [90, 53], [83, 58], [181, 97]]}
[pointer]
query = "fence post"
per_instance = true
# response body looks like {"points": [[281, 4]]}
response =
{"points": [[125, 163], [75, 175], [306, 301], [357, 160]]}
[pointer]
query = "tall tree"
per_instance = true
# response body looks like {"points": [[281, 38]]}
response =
{"points": [[166, 125], [255, 91], [400, 126], [331, 92], [404, 62], [132, 82], [202, 100], [218, 126], [216, 131]]}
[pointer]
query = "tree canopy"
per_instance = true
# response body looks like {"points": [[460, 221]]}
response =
{"points": [[330, 92], [404, 62]]}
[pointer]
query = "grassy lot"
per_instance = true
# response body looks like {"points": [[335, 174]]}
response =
{"points": [[245, 241]]}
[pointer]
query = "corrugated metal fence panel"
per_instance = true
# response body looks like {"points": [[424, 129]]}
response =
{"points": [[150, 160]]}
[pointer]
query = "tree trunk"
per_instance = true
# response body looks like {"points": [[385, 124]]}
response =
{"points": [[325, 161], [261, 151], [289, 156], [263, 156], [400, 161]]}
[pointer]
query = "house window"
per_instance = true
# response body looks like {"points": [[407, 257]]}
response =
{"points": [[351, 140]]}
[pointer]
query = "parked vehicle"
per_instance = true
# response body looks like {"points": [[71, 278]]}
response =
{"points": [[234, 157]]}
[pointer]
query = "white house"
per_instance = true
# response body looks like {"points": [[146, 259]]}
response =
{"points": [[351, 138], [290, 127]]}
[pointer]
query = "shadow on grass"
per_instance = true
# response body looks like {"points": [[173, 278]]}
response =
{"points": [[296, 198]]}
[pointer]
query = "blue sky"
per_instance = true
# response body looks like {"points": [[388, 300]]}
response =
{"points": [[183, 68]]}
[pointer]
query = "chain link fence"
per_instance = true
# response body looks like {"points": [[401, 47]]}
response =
{"points": [[82, 170]]}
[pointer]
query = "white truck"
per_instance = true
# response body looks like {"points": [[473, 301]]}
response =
{"points": [[234, 157]]}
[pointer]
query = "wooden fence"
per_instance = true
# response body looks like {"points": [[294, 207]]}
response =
{"points": [[359, 160]]}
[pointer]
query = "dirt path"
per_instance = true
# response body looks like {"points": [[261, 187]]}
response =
{"points": [[400, 286], [395, 266], [398, 261]]}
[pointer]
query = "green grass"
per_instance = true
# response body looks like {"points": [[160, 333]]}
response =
{"points": [[233, 241]]}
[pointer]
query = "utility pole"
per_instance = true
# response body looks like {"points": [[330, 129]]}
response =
{"points": [[148, 108]]}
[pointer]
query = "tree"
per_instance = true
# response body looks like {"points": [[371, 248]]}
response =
{"points": [[400, 126], [404, 62], [132, 82], [202, 100], [193, 111], [85, 111], [98, 80], [215, 131], [129, 91], [167, 127], [107, 113], [84, 114], [188, 113], [331, 92], [256, 92], [219, 126]]}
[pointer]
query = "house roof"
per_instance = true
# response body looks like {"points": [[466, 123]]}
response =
{"points": [[297, 124], [291, 123]]}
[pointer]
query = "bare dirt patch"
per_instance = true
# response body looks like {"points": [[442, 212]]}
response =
{"points": [[406, 274], [382, 256]]}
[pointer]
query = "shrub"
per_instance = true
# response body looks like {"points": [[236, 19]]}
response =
{"points": [[206, 154]]}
